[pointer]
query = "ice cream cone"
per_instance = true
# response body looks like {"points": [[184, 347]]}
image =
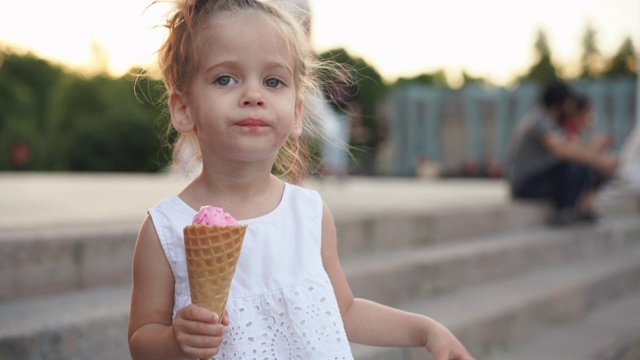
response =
{"points": [[212, 253]]}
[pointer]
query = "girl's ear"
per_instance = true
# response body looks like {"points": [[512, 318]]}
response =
{"points": [[180, 116], [297, 119]]}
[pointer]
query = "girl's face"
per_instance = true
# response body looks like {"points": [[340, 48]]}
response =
{"points": [[242, 103]]}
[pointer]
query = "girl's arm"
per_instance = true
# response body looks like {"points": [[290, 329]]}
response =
{"points": [[370, 323], [152, 333]]}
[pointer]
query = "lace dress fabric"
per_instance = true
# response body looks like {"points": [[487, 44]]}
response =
{"points": [[281, 303]]}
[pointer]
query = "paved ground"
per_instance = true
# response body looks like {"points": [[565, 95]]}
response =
{"points": [[30, 200]]}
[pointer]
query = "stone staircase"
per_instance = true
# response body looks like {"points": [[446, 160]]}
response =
{"points": [[508, 286], [519, 293], [65, 292]]}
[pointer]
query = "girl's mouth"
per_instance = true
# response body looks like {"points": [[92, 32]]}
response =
{"points": [[252, 123]]}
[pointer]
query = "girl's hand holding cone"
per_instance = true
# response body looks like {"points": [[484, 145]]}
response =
{"points": [[198, 331]]}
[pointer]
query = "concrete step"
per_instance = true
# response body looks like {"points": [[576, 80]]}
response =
{"points": [[397, 277], [64, 292], [93, 320], [51, 260], [89, 324], [504, 313], [37, 262], [611, 332], [47, 261], [381, 230]]}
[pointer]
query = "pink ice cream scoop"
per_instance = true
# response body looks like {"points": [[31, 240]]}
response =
{"points": [[211, 215]]}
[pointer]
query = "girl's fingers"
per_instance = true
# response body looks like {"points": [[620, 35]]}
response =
{"points": [[202, 346], [199, 353], [195, 328], [195, 312], [225, 318], [204, 342]]}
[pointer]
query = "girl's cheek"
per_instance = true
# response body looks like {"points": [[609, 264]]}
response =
{"points": [[281, 141]]}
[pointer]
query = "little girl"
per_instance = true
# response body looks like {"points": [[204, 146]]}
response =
{"points": [[237, 73]]}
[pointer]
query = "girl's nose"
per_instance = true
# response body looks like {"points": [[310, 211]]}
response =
{"points": [[252, 95]]}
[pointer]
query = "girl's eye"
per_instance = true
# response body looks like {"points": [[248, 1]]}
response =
{"points": [[225, 80], [273, 83]]}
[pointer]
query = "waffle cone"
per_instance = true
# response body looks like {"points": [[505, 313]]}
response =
{"points": [[212, 254]]}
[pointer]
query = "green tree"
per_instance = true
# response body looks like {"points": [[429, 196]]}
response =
{"points": [[26, 82], [591, 58], [370, 90], [469, 79], [438, 78], [74, 122], [624, 62], [100, 125], [543, 70]]}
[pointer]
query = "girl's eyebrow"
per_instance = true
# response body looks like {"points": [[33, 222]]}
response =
{"points": [[275, 65], [226, 64], [271, 65]]}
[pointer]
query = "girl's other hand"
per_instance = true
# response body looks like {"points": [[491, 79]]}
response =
{"points": [[197, 332], [445, 346]]}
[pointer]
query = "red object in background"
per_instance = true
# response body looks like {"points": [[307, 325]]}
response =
{"points": [[20, 156], [495, 170], [471, 168]]}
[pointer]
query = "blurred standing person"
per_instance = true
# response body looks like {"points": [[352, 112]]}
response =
{"points": [[544, 165], [335, 124], [347, 112], [427, 168], [629, 172]]}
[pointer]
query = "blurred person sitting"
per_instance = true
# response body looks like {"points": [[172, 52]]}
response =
{"points": [[544, 164], [577, 125], [578, 121]]}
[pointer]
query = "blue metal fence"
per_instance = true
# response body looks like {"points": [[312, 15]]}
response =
{"points": [[474, 124]]}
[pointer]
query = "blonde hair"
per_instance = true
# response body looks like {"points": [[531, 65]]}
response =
{"points": [[299, 9], [178, 62]]}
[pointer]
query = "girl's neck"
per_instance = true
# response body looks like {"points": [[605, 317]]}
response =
{"points": [[244, 196]]}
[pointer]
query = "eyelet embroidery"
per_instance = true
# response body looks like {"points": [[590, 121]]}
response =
{"points": [[295, 323]]}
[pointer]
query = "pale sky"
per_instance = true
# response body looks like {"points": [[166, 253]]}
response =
{"points": [[487, 38]]}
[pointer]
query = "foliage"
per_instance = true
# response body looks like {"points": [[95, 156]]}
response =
{"points": [[592, 63], [69, 122], [543, 70], [370, 90], [26, 83], [469, 80], [438, 78], [369, 83], [591, 59], [624, 62]]}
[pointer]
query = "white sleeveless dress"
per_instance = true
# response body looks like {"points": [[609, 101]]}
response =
{"points": [[281, 303]]}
